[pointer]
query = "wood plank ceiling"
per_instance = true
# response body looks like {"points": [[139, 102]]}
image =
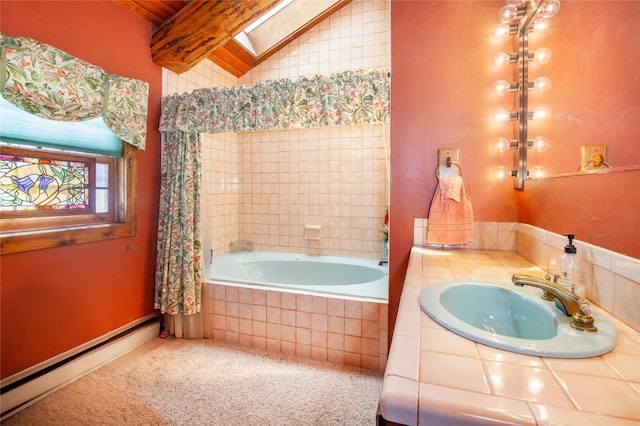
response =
{"points": [[190, 31]]}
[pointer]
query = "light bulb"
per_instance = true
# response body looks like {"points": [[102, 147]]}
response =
{"points": [[540, 144], [540, 24], [503, 30], [549, 8], [542, 55], [538, 172], [502, 86], [507, 14], [502, 58], [541, 84], [502, 116], [502, 172], [541, 113], [502, 145]]}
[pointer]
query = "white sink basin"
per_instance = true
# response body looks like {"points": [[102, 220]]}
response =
{"points": [[512, 318]]}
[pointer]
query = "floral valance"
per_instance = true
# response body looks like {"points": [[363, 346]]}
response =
{"points": [[347, 98], [52, 84]]}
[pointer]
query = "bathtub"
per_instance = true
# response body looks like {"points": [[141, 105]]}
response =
{"points": [[325, 308], [358, 278]]}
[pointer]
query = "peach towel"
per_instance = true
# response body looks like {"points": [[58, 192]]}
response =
{"points": [[451, 214]]}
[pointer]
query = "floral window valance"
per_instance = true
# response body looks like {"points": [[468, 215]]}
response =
{"points": [[52, 84], [347, 98]]}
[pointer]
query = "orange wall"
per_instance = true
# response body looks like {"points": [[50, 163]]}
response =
{"points": [[441, 79], [595, 93], [56, 299], [595, 99], [602, 209]]}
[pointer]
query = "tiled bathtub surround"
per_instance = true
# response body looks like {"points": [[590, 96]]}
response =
{"points": [[612, 279], [356, 37], [436, 377], [266, 186], [334, 177], [325, 328]]}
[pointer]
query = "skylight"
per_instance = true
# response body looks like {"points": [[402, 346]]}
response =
{"points": [[266, 16], [280, 23]]}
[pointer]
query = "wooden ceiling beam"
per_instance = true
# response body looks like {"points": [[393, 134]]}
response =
{"points": [[227, 58], [200, 28]]}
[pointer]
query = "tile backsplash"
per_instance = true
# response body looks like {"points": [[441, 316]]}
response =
{"points": [[612, 279]]}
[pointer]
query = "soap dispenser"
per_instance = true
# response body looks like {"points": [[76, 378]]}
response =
{"points": [[569, 275]]}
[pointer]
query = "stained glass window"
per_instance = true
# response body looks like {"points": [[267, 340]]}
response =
{"points": [[31, 183]]}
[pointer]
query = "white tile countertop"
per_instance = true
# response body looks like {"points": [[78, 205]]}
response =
{"points": [[436, 377]]}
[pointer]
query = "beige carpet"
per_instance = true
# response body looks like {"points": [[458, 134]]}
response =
{"points": [[201, 382]]}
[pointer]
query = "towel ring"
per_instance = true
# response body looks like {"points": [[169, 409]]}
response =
{"points": [[449, 163], [601, 165]]}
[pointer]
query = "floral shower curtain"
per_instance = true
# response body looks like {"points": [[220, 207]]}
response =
{"points": [[340, 99], [179, 256], [348, 98]]}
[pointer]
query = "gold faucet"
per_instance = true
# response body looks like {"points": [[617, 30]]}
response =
{"points": [[567, 301]]}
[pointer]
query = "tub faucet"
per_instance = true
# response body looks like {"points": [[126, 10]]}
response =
{"points": [[382, 262], [567, 301]]}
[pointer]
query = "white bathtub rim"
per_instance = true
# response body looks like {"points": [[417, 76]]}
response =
{"points": [[355, 291]]}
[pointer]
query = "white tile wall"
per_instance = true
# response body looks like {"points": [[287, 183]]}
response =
{"points": [[356, 37], [333, 177], [221, 172], [266, 186]]}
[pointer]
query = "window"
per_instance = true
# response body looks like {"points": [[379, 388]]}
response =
{"points": [[56, 192]]}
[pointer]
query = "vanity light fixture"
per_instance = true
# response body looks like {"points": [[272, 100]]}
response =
{"points": [[538, 144], [509, 13], [539, 85], [504, 144], [503, 115], [538, 172], [506, 29], [549, 8], [521, 17], [503, 172], [506, 58], [503, 86], [541, 56], [540, 113], [540, 24]]}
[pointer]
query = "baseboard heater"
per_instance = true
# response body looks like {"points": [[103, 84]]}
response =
{"points": [[31, 385]]}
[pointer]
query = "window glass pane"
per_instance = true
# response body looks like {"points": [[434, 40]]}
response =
{"points": [[102, 175], [28, 183], [102, 188], [102, 200]]}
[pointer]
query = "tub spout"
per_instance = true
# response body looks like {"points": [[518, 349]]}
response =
{"points": [[383, 262]]}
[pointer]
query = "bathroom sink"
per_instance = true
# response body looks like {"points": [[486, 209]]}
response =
{"points": [[515, 319]]}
